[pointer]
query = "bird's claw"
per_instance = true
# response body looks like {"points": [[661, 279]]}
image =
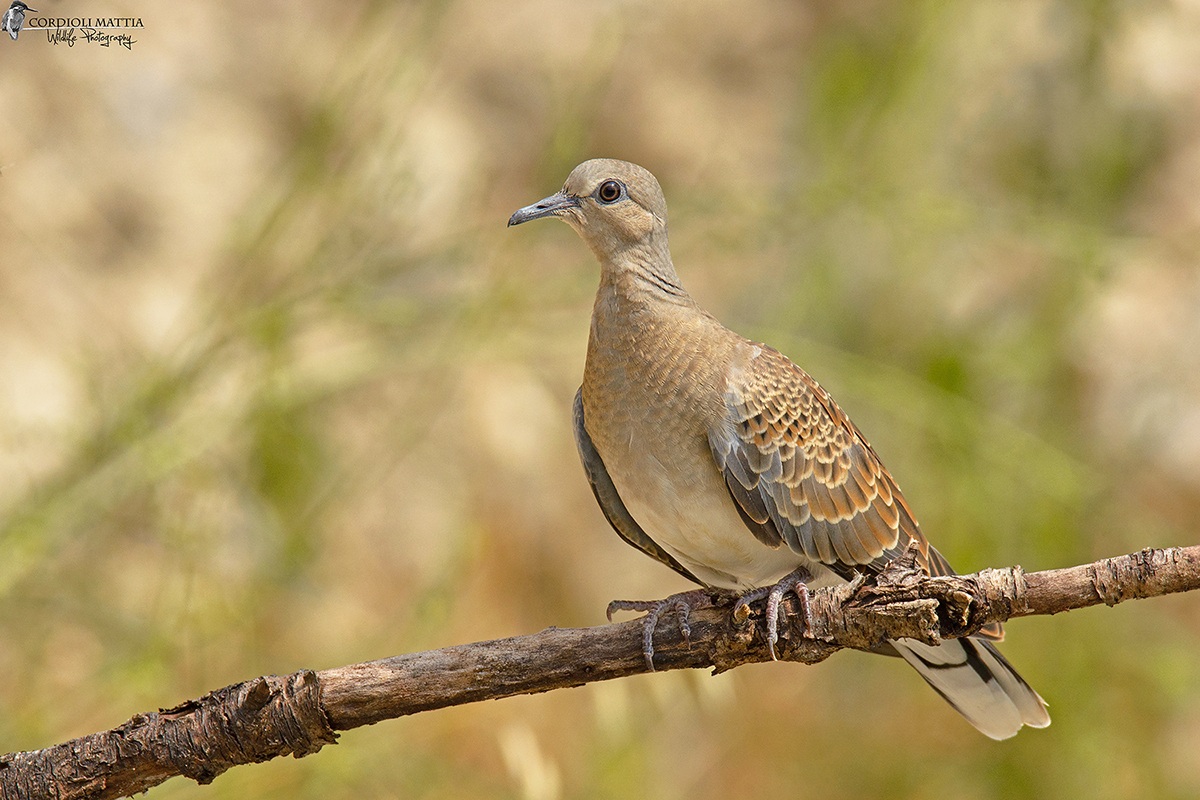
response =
{"points": [[682, 604], [685, 602], [792, 582]]}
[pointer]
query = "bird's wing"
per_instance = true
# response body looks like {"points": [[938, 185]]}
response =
{"points": [[802, 475], [610, 502]]}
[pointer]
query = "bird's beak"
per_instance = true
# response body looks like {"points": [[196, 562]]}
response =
{"points": [[552, 206]]}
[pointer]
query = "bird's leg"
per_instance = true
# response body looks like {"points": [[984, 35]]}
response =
{"points": [[795, 582], [682, 604]]}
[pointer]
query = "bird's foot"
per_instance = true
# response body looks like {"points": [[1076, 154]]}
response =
{"points": [[682, 604], [792, 582]]}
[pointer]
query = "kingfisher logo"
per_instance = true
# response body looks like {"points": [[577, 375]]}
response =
{"points": [[14, 19]]}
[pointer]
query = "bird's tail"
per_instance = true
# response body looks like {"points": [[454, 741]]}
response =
{"points": [[979, 682]]}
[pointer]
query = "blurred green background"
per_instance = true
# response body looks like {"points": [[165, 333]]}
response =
{"points": [[279, 390]]}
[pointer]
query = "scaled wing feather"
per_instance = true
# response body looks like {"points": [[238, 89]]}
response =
{"points": [[803, 476]]}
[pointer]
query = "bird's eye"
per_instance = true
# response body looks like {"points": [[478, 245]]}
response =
{"points": [[609, 192]]}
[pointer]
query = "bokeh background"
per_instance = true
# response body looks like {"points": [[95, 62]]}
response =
{"points": [[279, 390]]}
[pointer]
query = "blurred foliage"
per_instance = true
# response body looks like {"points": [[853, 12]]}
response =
{"points": [[280, 391]]}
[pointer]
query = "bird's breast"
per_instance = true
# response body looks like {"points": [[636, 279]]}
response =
{"points": [[649, 401]]}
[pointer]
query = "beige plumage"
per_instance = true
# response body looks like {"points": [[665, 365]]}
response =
{"points": [[727, 462]]}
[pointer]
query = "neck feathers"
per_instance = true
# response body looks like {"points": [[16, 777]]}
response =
{"points": [[643, 274]]}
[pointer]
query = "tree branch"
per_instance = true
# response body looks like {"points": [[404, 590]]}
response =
{"points": [[298, 714]]}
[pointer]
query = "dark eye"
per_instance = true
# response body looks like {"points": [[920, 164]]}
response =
{"points": [[609, 192]]}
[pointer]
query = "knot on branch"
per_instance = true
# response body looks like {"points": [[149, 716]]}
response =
{"points": [[248, 722], [245, 723], [904, 602], [892, 605]]}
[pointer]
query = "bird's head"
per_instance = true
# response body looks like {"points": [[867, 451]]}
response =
{"points": [[614, 206]]}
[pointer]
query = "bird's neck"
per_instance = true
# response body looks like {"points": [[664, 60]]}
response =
{"points": [[638, 303], [643, 278], [653, 349]]}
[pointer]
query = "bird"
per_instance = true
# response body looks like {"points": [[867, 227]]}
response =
{"points": [[722, 459], [14, 18]]}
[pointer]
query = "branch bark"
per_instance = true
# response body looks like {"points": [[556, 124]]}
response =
{"points": [[298, 714]]}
